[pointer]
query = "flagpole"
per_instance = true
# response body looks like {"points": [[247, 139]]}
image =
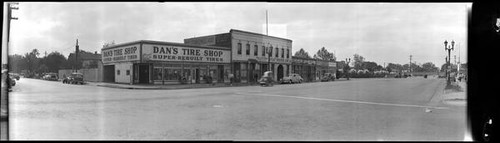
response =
{"points": [[267, 24]]}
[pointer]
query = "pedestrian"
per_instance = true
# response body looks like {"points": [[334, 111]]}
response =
{"points": [[231, 79]]}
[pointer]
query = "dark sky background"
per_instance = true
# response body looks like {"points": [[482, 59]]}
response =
{"points": [[380, 32]]}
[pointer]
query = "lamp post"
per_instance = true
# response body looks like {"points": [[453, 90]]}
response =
{"points": [[269, 52], [448, 48], [347, 60]]}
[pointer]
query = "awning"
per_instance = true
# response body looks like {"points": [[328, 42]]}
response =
{"points": [[252, 60]]}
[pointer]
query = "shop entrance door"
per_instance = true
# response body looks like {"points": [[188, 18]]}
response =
{"points": [[280, 72], [220, 69], [251, 72], [197, 75], [143, 73]]}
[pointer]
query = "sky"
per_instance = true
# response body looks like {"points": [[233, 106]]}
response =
{"points": [[380, 32]]}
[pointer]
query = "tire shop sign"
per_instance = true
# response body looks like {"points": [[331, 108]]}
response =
{"points": [[120, 54], [186, 54]]}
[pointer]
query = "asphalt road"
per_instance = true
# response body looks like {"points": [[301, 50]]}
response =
{"points": [[355, 110]]}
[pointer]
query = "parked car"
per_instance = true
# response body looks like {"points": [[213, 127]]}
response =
{"points": [[50, 76], [74, 78], [292, 78], [9, 80], [328, 77], [14, 76], [266, 79]]}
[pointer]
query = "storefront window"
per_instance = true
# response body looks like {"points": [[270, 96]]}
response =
{"points": [[171, 72], [157, 73], [243, 70]]}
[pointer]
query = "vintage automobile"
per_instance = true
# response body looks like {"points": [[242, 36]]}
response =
{"points": [[9, 80], [328, 77], [292, 78], [14, 76], [50, 76], [74, 78], [266, 79]]}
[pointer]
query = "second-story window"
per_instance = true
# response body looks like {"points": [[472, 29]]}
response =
{"points": [[282, 53], [239, 48], [248, 49], [255, 50], [263, 51], [270, 51], [277, 52]]}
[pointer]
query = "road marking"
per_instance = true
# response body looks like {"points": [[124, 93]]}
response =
{"points": [[346, 101]]}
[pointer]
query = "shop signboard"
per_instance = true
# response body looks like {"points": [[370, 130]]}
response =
{"points": [[120, 54], [332, 64], [274, 60], [154, 52]]}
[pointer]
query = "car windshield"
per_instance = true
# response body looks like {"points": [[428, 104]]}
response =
{"points": [[77, 75]]}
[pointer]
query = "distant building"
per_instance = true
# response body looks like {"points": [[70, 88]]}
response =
{"points": [[86, 60], [463, 69]]}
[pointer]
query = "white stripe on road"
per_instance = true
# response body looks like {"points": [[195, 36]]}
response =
{"points": [[346, 101]]}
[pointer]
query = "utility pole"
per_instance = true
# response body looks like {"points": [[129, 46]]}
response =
{"points": [[9, 17], [77, 50], [410, 63]]}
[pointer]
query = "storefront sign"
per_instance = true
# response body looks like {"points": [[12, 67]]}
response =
{"points": [[120, 54], [188, 54], [332, 64], [275, 60]]}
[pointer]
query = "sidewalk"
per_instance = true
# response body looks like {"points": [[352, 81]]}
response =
{"points": [[181, 86], [454, 96], [171, 86]]}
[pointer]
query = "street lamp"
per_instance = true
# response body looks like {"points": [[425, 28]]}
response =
{"points": [[347, 60], [269, 52], [447, 47]]}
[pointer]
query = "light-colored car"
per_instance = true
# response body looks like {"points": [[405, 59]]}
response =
{"points": [[292, 78]]}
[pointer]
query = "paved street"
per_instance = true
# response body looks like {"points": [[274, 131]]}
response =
{"points": [[359, 109]]}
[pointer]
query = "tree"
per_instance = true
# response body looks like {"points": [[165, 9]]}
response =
{"points": [[16, 63], [32, 60], [429, 67], [358, 61], [55, 61], [302, 54], [325, 55], [394, 67], [370, 66]]}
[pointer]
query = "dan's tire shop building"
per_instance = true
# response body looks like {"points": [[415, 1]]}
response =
{"points": [[155, 62]]}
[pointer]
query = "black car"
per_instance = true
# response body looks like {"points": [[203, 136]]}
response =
{"points": [[328, 77], [74, 78], [14, 76]]}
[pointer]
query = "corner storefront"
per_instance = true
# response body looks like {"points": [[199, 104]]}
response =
{"points": [[155, 62]]}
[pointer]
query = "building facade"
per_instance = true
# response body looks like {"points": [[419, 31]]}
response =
{"points": [[155, 62], [305, 67], [252, 53], [313, 69]]}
